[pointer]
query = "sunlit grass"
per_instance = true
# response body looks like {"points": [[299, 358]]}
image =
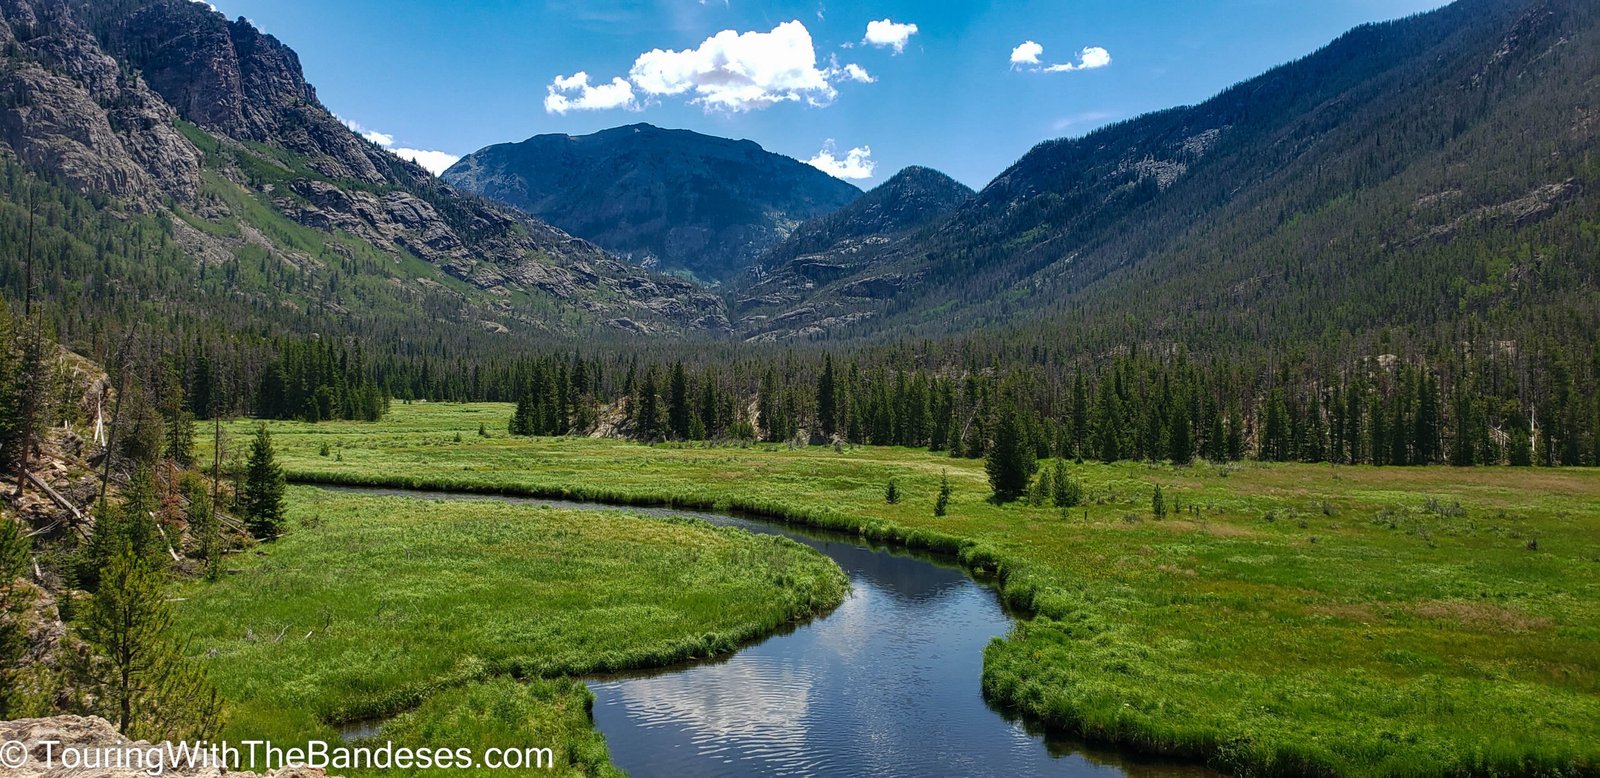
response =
{"points": [[373, 605], [1282, 618]]}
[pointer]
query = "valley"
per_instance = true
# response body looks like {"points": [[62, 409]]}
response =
{"points": [[1290, 601], [712, 429]]}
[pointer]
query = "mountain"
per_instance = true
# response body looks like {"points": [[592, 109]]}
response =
{"points": [[182, 170], [1408, 174], [673, 200], [843, 243]]}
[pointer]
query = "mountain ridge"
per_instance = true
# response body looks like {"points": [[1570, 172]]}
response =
{"points": [[168, 108], [670, 199], [1082, 227]]}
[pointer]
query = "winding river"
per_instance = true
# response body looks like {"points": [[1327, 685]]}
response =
{"points": [[886, 684]]}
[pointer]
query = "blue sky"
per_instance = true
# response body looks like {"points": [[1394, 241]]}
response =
{"points": [[962, 93]]}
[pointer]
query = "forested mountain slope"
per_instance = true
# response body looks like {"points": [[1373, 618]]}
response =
{"points": [[1406, 175], [175, 167], [670, 199], [843, 243]]}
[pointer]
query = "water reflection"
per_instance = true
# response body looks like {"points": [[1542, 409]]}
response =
{"points": [[887, 684]]}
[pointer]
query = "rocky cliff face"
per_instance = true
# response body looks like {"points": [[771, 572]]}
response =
{"points": [[670, 199], [69, 109], [236, 81], [146, 101]]}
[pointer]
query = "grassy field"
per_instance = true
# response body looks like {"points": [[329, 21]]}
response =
{"points": [[371, 606], [1282, 618]]}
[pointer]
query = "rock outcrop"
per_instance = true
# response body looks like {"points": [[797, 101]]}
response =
{"points": [[70, 110], [157, 103], [94, 733]]}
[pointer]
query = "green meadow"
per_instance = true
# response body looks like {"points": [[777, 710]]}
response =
{"points": [[1280, 618], [374, 606]]}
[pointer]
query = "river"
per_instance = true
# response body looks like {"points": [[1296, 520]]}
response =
{"points": [[886, 684]]}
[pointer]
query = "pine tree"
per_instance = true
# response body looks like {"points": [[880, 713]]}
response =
{"points": [[678, 411], [31, 398], [203, 524], [1235, 437], [1044, 488], [827, 400], [1158, 504], [137, 671], [1275, 430], [709, 417], [891, 493], [1180, 435], [1068, 492], [1428, 422], [1108, 422], [1519, 445], [1080, 414], [262, 499], [1216, 443], [522, 418], [1010, 461], [769, 406], [941, 505], [1353, 409], [647, 409], [15, 599], [179, 426]]}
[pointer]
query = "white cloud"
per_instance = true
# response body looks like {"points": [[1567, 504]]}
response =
{"points": [[857, 163], [886, 33], [560, 99], [855, 72], [1026, 53], [1026, 57], [730, 71], [739, 71], [435, 162], [1088, 59]]}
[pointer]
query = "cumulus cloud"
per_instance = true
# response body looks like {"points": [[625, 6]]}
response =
{"points": [[730, 71], [856, 164], [855, 72], [1088, 59], [739, 71], [435, 162], [1026, 56], [891, 34], [575, 93], [1026, 53]]}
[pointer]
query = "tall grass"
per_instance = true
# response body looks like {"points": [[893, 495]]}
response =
{"points": [[1286, 619], [375, 605]]}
